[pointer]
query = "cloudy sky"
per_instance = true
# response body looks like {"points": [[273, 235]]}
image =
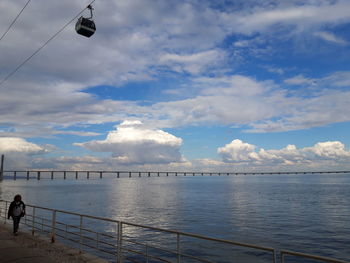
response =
{"points": [[177, 85]]}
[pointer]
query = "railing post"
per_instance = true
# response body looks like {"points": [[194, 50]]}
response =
{"points": [[149, 174], [38, 175], [117, 174], [76, 175], [139, 174], [129, 174], [120, 237], [274, 256], [80, 233], [51, 175], [27, 175], [64, 175], [53, 231], [33, 221], [15, 175], [178, 247], [2, 168], [88, 175], [100, 175]]}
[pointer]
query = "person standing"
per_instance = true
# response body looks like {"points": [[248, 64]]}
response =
{"points": [[16, 210]]}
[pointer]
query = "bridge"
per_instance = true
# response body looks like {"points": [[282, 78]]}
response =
{"points": [[51, 174]]}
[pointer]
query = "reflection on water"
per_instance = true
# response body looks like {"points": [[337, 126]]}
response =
{"points": [[306, 213]]}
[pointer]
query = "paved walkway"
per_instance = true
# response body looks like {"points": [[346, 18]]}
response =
{"points": [[26, 248]]}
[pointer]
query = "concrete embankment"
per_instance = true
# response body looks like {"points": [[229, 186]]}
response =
{"points": [[26, 248]]}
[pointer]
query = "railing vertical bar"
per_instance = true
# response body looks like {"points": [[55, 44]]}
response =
{"points": [[6, 207], [15, 175], [76, 175], [53, 226], [27, 175], [178, 248], [33, 219], [80, 233], [120, 237]]}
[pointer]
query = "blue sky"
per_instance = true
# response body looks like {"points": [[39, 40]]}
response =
{"points": [[178, 85]]}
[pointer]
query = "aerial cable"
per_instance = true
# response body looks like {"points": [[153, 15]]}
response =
{"points": [[14, 21], [40, 48]]}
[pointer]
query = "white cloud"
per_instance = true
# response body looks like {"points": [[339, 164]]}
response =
{"points": [[19, 145], [134, 143], [300, 80], [131, 45], [329, 150], [303, 16], [330, 37], [194, 63], [19, 153], [241, 152], [237, 151]]}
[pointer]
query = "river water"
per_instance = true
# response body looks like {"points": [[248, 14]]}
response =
{"points": [[306, 213]]}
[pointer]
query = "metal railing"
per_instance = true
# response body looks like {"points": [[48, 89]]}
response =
{"points": [[50, 174], [146, 244]]}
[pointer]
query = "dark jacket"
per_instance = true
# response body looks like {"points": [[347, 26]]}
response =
{"points": [[13, 205]]}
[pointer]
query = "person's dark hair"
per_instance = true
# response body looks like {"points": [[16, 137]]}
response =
{"points": [[17, 198]]}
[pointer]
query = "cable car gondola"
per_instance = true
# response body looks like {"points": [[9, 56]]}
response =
{"points": [[86, 26]]}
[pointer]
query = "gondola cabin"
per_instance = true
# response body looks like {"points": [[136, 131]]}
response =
{"points": [[85, 27]]}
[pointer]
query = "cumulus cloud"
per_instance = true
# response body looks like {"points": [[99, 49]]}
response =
{"points": [[19, 153], [241, 152], [19, 145], [134, 143]]}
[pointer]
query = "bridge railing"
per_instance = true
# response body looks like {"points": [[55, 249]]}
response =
{"points": [[120, 241]]}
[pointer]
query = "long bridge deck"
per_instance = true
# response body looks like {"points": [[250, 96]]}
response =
{"points": [[54, 174]]}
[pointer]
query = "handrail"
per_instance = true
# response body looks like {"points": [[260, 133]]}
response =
{"points": [[299, 254], [37, 223]]}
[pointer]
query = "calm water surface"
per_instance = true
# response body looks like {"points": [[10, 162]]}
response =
{"points": [[306, 213]]}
